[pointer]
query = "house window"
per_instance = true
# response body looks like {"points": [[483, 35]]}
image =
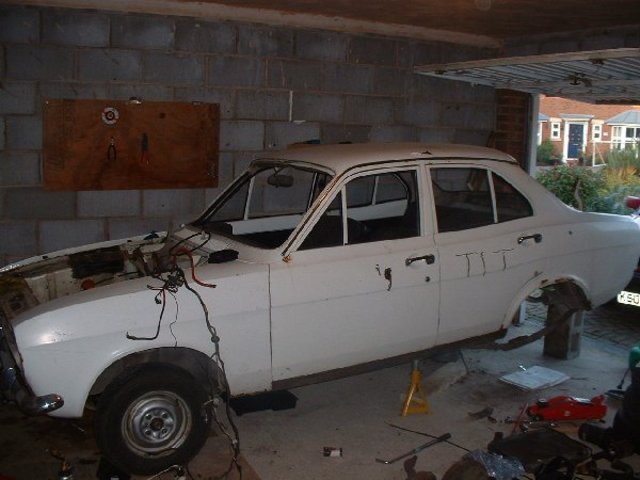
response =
{"points": [[596, 133], [555, 130], [625, 137]]}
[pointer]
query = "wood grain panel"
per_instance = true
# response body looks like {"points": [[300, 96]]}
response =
{"points": [[181, 145]]}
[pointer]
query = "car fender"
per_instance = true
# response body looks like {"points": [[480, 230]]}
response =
{"points": [[541, 282]]}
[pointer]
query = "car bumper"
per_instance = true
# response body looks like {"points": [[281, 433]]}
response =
{"points": [[12, 385]]}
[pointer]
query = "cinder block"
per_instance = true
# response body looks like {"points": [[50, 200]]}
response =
{"points": [[279, 135], [17, 97], [73, 90], [69, 27], [26, 62], [137, 31], [173, 69], [295, 75], [374, 51], [59, 234], [262, 105], [18, 238], [121, 203], [183, 204], [318, 108], [35, 203], [225, 174], [392, 133], [345, 133], [24, 132], [420, 112], [236, 71], [268, 42], [107, 65], [19, 169], [603, 41], [19, 25], [391, 81], [468, 116], [241, 161], [223, 97], [472, 136], [348, 78], [412, 54], [368, 110], [126, 227], [323, 46], [145, 92], [436, 135], [241, 135], [196, 36]]}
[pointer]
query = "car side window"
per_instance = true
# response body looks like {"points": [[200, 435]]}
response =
{"points": [[379, 207], [462, 198], [510, 203]]}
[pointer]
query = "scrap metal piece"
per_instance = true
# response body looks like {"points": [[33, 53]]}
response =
{"points": [[441, 438]]}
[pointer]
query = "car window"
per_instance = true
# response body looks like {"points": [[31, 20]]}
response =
{"points": [[463, 199], [510, 203], [266, 204], [379, 207]]}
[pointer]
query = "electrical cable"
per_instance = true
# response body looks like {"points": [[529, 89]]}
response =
{"points": [[171, 283]]}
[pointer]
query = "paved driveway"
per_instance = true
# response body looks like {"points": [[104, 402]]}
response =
{"points": [[620, 326]]}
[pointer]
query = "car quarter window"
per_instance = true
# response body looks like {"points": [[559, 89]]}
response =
{"points": [[463, 199], [381, 206], [510, 203]]}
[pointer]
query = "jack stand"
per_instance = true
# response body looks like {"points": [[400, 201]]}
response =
{"points": [[416, 401]]}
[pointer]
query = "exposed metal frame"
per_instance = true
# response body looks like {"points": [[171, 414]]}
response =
{"points": [[595, 76]]}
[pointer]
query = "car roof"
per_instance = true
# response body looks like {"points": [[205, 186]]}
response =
{"points": [[341, 157]]}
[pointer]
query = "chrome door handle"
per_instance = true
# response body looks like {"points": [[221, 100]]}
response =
{"points": [[430, 259], [536, 237]]}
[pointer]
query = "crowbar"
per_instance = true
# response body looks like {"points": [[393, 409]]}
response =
{"points": [[441, 438]]}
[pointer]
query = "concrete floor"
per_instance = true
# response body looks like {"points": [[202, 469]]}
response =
{"points": [[352, 414]]}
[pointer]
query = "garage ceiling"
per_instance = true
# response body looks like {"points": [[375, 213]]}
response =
{"points": [[604, 78]]}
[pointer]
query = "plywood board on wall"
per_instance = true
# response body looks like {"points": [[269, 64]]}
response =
{"points": [[123, 145]]}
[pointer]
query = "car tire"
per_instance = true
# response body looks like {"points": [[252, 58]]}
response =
{"points": [[151, 419]]}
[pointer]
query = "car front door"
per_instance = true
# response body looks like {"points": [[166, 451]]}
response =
{"points": [[361, 283]]}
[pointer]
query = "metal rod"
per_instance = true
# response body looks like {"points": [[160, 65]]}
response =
{"points": [[441, 438]]}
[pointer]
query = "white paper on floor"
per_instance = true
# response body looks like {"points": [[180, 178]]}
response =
{"points": [[535, 378]]}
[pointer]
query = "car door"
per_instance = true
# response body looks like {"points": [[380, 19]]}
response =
{"points": [[488, 244], [361, 283]]}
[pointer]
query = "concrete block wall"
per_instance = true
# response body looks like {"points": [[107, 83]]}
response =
{"points": [[275, 86]]}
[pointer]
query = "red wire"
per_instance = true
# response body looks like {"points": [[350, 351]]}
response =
{"points": [[184, 251]]}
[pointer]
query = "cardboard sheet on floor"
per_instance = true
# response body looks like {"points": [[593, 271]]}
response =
{"points": [[535, 378]]}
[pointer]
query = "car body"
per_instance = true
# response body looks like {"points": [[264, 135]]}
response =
{"points": [[564, 407], [630, 296], [325, 260]]}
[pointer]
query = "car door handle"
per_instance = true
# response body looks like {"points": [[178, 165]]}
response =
{"points": [[536, 237], [430, 259]]}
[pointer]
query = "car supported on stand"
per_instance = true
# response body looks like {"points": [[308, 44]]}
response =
{"points": [[316, 263]]}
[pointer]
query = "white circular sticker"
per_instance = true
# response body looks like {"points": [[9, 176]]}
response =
{"points": [[110, 116]]}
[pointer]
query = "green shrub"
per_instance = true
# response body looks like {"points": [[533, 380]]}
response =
{"points": [[546, 153], [576, 186]]}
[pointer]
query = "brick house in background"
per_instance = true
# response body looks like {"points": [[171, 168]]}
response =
{"points": [[585, 130]]}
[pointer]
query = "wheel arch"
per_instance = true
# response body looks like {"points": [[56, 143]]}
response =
{"points": [[569, 290], [204, 370]]}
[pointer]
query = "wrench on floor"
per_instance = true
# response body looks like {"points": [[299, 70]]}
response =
{"points": [[441, 438]]}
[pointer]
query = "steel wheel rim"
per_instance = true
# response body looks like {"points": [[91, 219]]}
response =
{"points": [[156, 423]]}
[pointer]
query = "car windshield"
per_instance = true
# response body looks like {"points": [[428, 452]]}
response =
{"points": [[266, 204]]}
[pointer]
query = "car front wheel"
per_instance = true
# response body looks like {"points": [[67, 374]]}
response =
{"points": [[152, 419]]}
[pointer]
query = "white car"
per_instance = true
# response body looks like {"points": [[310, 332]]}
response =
{"points": [[316, 262]]}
